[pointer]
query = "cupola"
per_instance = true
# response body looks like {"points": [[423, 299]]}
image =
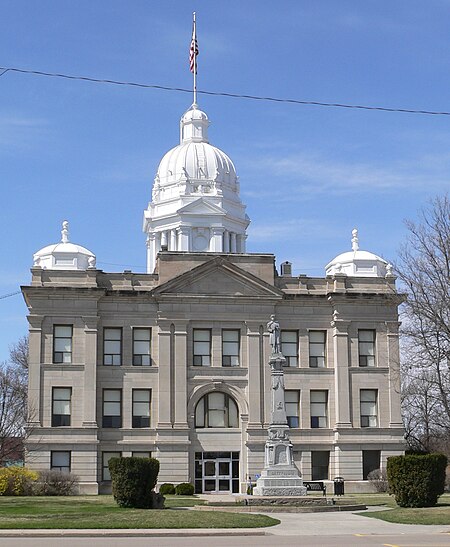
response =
{"points": [[358, 263], [64, 255]]}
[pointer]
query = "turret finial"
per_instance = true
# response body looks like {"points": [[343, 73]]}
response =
{"points": [[65, 232], [355, 240]]}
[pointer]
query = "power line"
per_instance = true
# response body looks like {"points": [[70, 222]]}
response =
{"points": [[10, 294], [223, 94]]}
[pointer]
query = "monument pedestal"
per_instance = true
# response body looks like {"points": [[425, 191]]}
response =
{"points": [[279, 477]]}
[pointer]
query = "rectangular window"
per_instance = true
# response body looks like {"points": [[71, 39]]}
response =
{"points": [[368, 402], [319, 401], [320, 461], [106, 456], [60, 461], [112, 346], [202, 347], [141, 347], [230, 348], [289, 347], [317, 353], [139, 454], [61, 397], [366, 348], [371, 461], [292, 404], [141, 408], [112, 408], [62, 343]]}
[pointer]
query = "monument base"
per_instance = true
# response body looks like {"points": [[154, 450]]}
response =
{"points": [[280, 481]]}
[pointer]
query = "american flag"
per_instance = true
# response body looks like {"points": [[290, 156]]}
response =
{"points": [[193, 51]]}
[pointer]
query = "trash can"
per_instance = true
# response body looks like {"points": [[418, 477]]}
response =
{"points": [[338, 486]]}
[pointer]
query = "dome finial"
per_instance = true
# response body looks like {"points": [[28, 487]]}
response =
{"points": [[355, 240], [65, 232]]}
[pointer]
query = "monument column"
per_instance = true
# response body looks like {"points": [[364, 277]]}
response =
{"points": [[279, 477]]}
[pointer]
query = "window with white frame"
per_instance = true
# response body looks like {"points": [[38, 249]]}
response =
{"points": [[317, 348], [318, 406], [230, 348], [61, 403], [202, 347], [292, 405], [112, 408], [366, 347], [141, 408], [289, 347], [60, 460], [141, 347], [112, 346], [216, 409], [106, 456], [368, 402], [62, 343]]}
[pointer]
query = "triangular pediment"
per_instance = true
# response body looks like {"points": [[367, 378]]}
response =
{"points": [[218, 277], [201, 206]]}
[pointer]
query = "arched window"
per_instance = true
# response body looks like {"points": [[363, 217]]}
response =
{"points": [[216, 409]]}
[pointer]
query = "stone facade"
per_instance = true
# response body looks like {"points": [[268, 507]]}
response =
{"points": [[208, 415]]}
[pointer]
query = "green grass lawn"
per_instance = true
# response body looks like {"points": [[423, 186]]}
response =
{"points": [[404, 515], [85, 512]]}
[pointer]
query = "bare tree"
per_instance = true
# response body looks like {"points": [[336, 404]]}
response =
{"points": [[13, 401], [424, 270]]}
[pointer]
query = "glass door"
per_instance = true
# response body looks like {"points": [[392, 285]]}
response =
{"points": [[216, 472]]}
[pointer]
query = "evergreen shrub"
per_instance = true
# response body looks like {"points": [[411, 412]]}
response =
{"points": [[133, 481], [184, 489], [166, 489], [416, 480]]}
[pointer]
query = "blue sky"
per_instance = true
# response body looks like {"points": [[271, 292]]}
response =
{"points": [[88, 152]]}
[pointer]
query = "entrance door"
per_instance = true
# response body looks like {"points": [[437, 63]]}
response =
{"points": [[216, 472]]}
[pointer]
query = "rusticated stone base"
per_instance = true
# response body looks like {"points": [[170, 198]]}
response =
{"points": [[280, 480]]}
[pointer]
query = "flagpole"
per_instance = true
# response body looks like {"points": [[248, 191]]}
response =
{"points": [[194, 37]]}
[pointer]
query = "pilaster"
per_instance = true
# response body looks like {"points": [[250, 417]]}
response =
{"points": [[341, 372], [90, 371], [34, 370]]}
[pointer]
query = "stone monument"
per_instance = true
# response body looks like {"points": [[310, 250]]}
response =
{"points": [[279, 477]]}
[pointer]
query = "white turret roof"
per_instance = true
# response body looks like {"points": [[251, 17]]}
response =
{"points": [[358, 263], [64, 255]]}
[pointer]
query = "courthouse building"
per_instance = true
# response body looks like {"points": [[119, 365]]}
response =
{"points": [[173, 363]]}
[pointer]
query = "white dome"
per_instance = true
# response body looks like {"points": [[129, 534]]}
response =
{"points": [[358, 263], [197, 162], [64, 255]]}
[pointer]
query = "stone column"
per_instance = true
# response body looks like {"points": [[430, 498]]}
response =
{"points": [[216, 240], [90, 372], [184, 233], [180, 375], [34, 370], [341, 372], [173, 240], [393, 353], [165, 384], [233, 243], [255, 375], [151, 252], [279, 477], [164, 242], [226, 241]]}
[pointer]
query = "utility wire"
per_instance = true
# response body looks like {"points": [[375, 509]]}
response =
{"points": [[10, 294], [222, 94]]}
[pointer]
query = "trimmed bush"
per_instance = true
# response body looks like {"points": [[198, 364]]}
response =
{"points": [[56, 483], [17, 481], [133, 481], [167, 489], [416, 480], [184, 489]]}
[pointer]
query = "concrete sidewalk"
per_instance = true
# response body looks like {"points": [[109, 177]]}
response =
{"points": [[292, 524]]}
